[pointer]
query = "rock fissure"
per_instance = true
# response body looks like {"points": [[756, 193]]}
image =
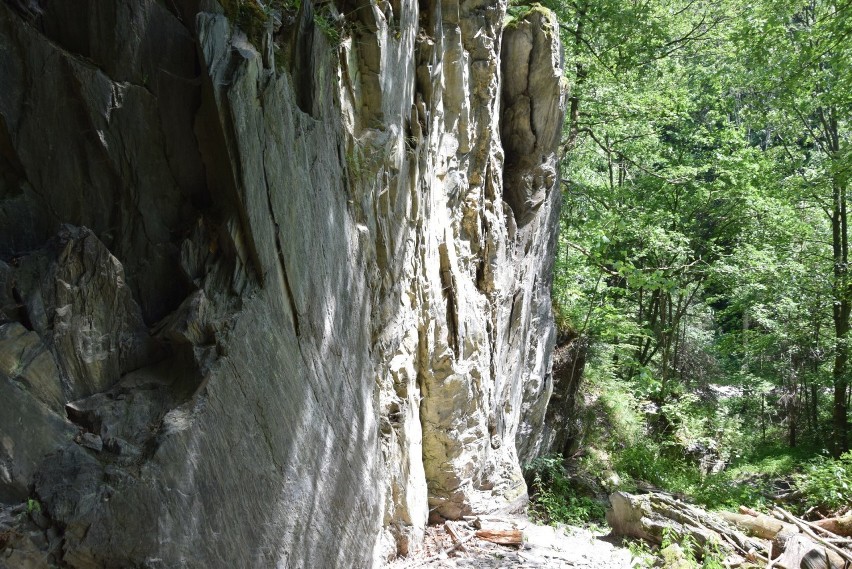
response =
{"points": [[282, 264]]}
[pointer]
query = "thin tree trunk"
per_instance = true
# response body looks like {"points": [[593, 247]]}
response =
{"points": [[580, 74], [829, 141], [809, 426], [840, 246], [840, 316], [815, 405], [792, 417]]}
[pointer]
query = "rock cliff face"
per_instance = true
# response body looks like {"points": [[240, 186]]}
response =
{"points": [[274, 279]]}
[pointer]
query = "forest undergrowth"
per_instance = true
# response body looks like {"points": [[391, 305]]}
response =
{"points": [[711, 458]]}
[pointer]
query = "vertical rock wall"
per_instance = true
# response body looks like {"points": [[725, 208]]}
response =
{"points": [[274, 281]]}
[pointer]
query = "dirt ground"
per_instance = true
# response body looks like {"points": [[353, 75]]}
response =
{"points": [[544, 547]]}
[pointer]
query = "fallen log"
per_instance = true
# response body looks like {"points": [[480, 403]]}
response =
{"points": [[800, 551], [791, 543], [457, 540], [649, 516], [809, 532], [501, 536], [759, 525], [765, 527], [840, 525]]}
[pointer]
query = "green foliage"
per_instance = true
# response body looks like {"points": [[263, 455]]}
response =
{"points": [[827, 483], [519, 10], [610, 416], [287, 5], [515, 12], [616, 437], [643, 556], [676, 551], [724, 492], [683, 551], [747, 479], [555, 499], [649, 462], [703, 240], [231, 8], [325, 23], [250, 16], [33, 506], [771, 461], [253, 20], [686, 543]]}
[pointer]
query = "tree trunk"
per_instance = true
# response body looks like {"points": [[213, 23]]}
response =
{"points": [[793, 416], [793, 440], [841, 525], [815, 406], [653, 516], [841, 307], [840, 314], [799, 551], [759, 525], [580, 74]]}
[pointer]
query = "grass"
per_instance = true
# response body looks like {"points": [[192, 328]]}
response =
{"points": [[324, 23], [618, 438], [745, 483], [555, 498], [826, 484], [621, 442], [772, 461]]}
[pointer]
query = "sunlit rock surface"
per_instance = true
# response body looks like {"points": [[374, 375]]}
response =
{"points": [[274, 283]]}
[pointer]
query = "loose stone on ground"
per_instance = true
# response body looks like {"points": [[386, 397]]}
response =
{"points": [[544, 547]]}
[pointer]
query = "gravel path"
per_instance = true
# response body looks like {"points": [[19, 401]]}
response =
{"points": [[544, 547]]}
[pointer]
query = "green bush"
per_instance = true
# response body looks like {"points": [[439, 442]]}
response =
{"points": [[826, 483], [661, 465], [554, 499], [643, 556], [617, 435], [665, 467], [724, 491]]}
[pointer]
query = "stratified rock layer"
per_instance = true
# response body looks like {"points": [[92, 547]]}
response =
{"points": [[274, 282]]}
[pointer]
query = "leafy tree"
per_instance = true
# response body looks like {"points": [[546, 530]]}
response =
{"points": [[797, 84], [704, 234]]}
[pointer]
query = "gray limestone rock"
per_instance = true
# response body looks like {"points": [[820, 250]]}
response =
{"points": [[25, 359], [29, 431], [73, 295], [311, 310]]}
